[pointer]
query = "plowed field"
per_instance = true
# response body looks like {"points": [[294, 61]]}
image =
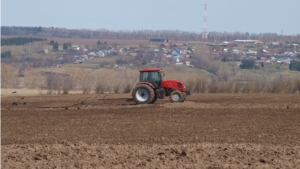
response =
{"points": [[110, 131]]}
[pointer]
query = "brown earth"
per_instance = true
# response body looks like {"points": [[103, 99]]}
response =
{"points": [[110, 131]]}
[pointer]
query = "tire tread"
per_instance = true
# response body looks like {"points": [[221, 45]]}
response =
{"points": [[151, 93], [179, 92]]}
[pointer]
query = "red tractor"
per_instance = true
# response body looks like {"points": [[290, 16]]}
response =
{"points": [[152, 86]]}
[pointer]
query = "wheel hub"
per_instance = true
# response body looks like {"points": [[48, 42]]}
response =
{"points": [[142, 95], [176, 97]]}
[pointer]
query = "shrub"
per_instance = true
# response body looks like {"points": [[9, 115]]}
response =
{"points": [[99, 89], [86, 90], [33, 78], [237, 87], [51, 83], [246, 88], [59, 90], [200, 85], [276, 85], [8, 76], [297, 84], [247, 64], [258, 86], [189, 85], [65, 89], [213, 86], [293, 86], [127, 88], [294, 65], [226, 87], [116, 88]]}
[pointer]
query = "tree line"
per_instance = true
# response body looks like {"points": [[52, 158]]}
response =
{"points": [[18, 41], [143, 34]]}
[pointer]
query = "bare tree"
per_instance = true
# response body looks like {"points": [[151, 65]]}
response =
{"points": [[8, 76], [33, 78]]}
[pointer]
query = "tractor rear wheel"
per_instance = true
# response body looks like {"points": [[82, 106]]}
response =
{"points": [[176, 96], [154, 100], [143, 94], [183, 96]]}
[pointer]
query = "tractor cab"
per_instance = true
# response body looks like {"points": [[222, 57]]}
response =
{"points": [[153, 76]]}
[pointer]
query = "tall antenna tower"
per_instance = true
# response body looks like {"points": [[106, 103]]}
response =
{"points": [[204, 32]]}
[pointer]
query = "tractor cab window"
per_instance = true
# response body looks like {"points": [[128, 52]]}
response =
{"points": [[151, 77]]}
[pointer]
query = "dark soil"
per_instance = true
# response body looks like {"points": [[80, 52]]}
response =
{"points": [[110, 131]]}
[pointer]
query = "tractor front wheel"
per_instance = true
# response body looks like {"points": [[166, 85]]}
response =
{"points": [[176, 96], [143, 94]]}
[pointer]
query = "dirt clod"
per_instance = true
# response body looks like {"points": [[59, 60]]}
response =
{"points": [[183, 153], [262, 161]]}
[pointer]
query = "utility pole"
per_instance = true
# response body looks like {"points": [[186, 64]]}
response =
{"points": [[204, 32]]}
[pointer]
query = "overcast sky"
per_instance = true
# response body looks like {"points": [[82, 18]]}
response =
{"points": [[253, 16]]}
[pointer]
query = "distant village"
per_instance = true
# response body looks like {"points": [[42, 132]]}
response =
{"points": [[181, 53], [273, 52]]}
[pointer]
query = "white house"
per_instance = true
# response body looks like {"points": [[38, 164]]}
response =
{"points": [[100, 54], [75, 48]]}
